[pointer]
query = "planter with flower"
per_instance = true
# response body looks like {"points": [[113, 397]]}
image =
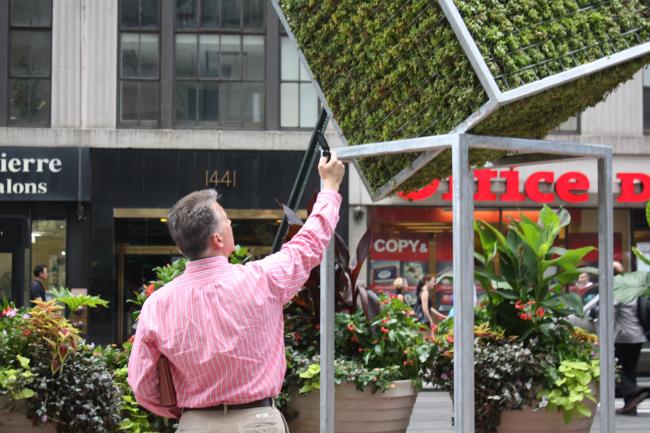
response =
{"points": [[50, 379], [534, 371], [380, 353]]}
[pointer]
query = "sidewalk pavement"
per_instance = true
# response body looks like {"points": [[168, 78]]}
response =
{"points": [[433, 410]]}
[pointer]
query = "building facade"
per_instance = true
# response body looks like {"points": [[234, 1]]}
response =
{"points": [[112, 110]]}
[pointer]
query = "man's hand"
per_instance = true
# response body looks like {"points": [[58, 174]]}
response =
{"points": [[331, 173]]}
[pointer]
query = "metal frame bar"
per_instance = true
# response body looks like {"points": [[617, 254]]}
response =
{"points": [[463, 266], [327, 321], [470, 48], [605, 291], [463, 286]]}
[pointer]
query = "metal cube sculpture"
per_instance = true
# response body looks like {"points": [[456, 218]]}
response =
{"points": [[395, 69]]}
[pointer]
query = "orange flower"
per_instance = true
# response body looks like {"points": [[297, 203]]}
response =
{"points": [[149, 290]]}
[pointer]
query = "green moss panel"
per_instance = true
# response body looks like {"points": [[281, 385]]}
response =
{"points": [[393, 69]]}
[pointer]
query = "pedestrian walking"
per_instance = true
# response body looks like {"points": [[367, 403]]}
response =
{"points": [[424, 310], [220, 326]]}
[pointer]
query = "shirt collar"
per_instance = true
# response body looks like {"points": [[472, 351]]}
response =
{"points": [[204, 264]]}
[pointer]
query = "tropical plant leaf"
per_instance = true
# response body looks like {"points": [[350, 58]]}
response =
{"points": [[631, 285], [639, 255]]}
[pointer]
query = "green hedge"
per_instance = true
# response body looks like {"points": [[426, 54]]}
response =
{"points": [[394, 69]]}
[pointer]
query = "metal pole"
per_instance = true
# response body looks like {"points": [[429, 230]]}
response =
{"points": [[327, 339], [463, 249], [606, 294]]}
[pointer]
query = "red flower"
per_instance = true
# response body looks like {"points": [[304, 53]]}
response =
{"points": [[450, 339], [149, 290], [519, 305], [27, 333], [384, 330], [540, 312], [384, 321], [354, 339], [525, 316], [351, 327], [360, 350]]}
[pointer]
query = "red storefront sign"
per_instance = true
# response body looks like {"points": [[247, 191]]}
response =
{"points": [[570, 187]]}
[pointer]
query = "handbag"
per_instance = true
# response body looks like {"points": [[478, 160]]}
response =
{"points": [[167, 390]]}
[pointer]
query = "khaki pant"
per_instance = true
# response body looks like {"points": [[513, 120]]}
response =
{"points": [[254, 420]]}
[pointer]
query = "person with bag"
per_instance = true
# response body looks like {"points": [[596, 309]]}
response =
{"points": [[214, 335]]}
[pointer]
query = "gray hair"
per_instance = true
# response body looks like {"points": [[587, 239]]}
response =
{"points": [[192, 221]]}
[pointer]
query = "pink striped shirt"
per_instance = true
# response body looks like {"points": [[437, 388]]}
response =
{"points": [[221, 325]]}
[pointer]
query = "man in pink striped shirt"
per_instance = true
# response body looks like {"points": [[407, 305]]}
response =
{"points": [[221, 325]]}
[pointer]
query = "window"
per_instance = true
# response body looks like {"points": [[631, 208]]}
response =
{"points": [[646, 99], [219, 63], [30, 41], [298, 98], [139, 91], [571, 126]]}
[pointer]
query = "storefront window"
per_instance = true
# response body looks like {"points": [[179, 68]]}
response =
{"points": [[49, 249]]}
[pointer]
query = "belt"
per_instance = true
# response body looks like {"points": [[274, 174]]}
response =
{"points": [[265, 402]]}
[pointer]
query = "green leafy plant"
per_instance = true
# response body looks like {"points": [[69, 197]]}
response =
{"points": [[572, 387], [631, 285], [527, 288], [53, 374], [525, 350], [387, 67], [15, 381], [74, 302]]}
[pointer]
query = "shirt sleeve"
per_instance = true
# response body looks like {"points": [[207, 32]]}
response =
{"points": [[288, 269], [143, 370]]}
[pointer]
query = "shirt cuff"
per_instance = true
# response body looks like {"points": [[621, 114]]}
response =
{"points": [[333, 195]]}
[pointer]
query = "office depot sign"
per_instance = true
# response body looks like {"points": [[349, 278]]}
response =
{"points": [[540, 187]]}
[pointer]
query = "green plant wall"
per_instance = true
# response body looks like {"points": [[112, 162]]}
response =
{"points": [[393, 69]]}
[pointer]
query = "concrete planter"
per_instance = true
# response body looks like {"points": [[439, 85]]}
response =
{"points": [[356, 412], [13, 419], [545, 421]]}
